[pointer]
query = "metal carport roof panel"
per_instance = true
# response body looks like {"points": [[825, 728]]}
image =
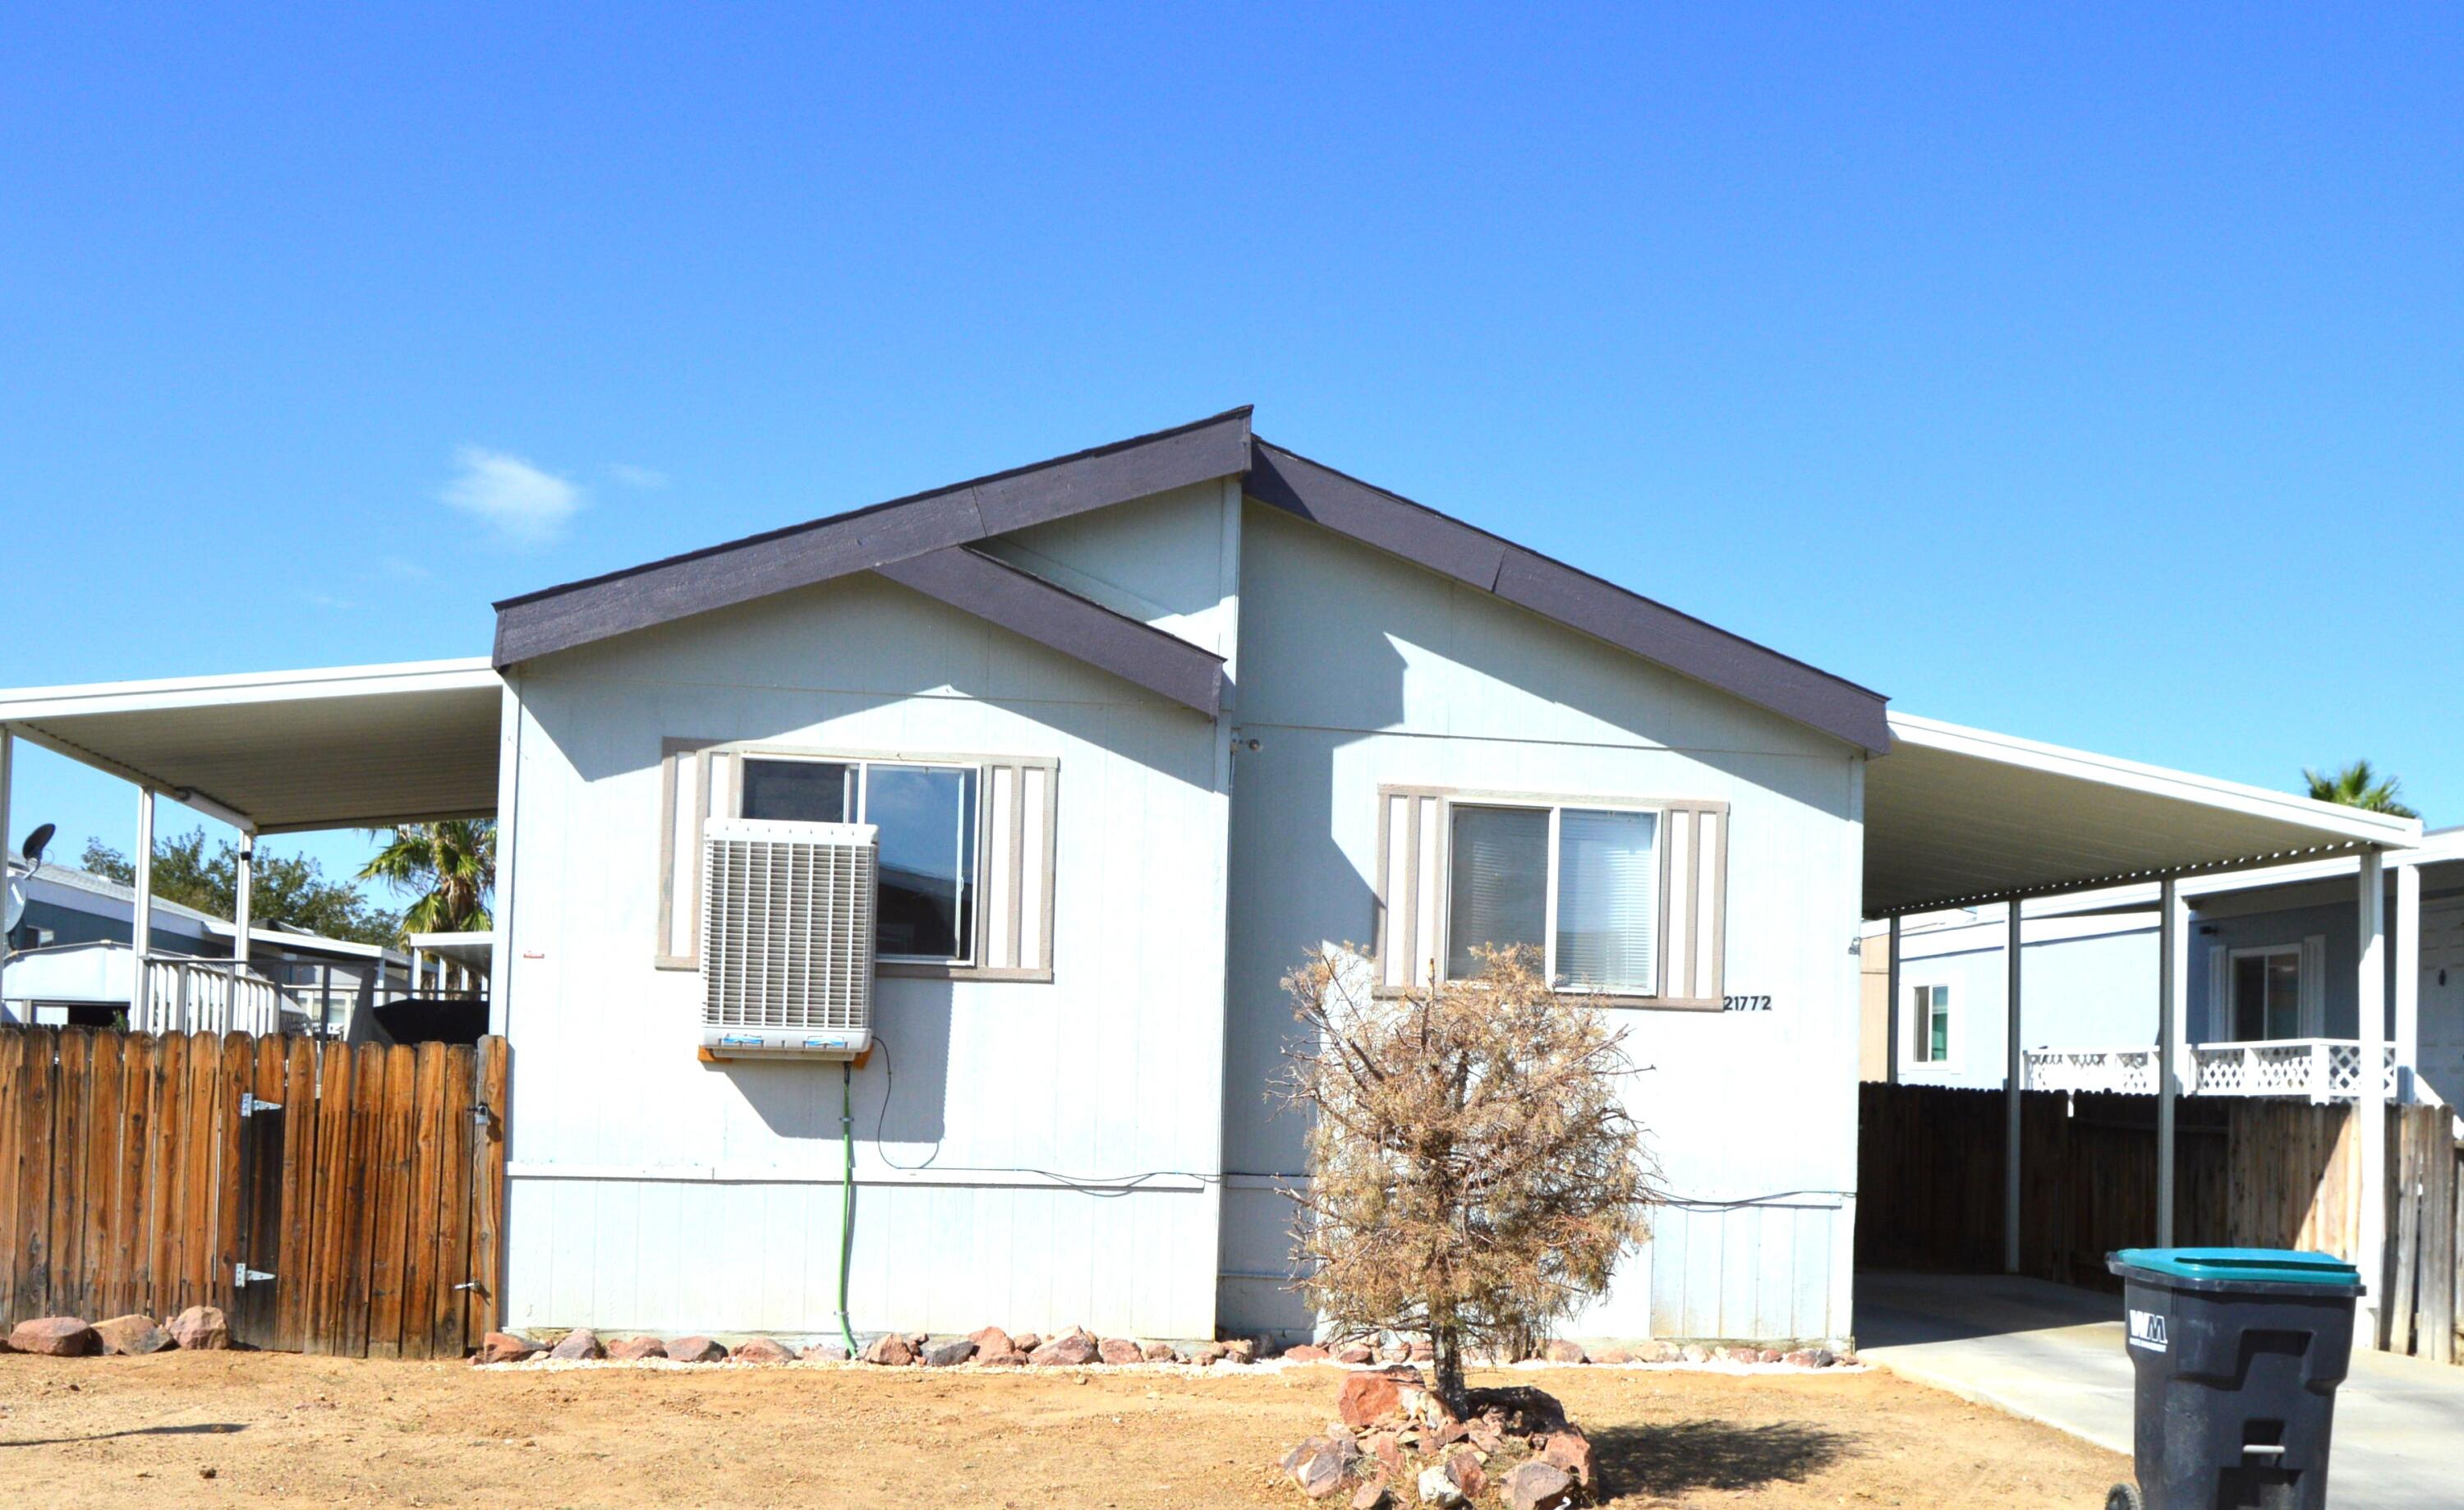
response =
{"points": [[335, 747], [1956, 815]]}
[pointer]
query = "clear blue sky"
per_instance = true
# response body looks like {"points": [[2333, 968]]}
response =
{"points": [[2095, 378]]}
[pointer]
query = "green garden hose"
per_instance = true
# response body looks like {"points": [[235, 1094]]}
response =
{"points": [[847, 1197]]}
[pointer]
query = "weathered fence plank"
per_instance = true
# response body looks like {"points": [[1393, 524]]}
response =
{"points": [[339, 1215]]}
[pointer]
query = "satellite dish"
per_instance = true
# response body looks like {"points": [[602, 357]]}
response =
{"points": [[14, 909]]}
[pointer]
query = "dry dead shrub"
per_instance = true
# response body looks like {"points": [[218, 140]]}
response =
{"points": [[1473, 1173]]}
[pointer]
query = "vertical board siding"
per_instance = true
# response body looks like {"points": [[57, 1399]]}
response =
{"points": [[129, 1182]]}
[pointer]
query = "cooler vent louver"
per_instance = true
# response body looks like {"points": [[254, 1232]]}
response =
{"points": [[787, 949]]}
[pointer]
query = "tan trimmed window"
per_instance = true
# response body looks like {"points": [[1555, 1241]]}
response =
{"points": [[966, 880], [1622, 900]]}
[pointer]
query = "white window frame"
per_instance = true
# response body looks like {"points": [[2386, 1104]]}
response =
{"points": [[864, 767], [1554, 807], [1921, 1038], [2308, 1012]]}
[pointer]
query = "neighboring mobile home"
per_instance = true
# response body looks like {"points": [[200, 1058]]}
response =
{"points": [[2271, 974]]}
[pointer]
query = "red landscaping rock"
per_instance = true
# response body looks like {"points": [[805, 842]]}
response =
{"points": [[825, 1353], [498, 1347], [1377, 1397], [1241, 1351], [1072, 1351], [1023, 1343], [132, 1336], [1387, 1448], [1013, 1359], [1158, 1353], [764, 1350], [1423, 1353], [1120, 1350], [577, 1345], [1535, 1485], [1811, 1358], [1613, 1355], [1205, 1353], [950, 1354], [1369, 1495], [201, 1328], [1463, 1467], [633, 1349], [1397, 1352], [1306, 1353], [1572, 1450], [1320, 1465], [695, 1350], [991, 1339], [55, 1337], [1355, 1353], [889, 1350], [1562, 1351]]}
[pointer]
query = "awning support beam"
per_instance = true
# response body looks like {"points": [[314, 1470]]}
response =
{"points": [[2172, 994], [243, 899], [2014, 1059], [2370, 1099], [1891, 1010], [140, 914]]}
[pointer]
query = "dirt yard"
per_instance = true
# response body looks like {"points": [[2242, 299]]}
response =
{"points": [[260, 1429]]}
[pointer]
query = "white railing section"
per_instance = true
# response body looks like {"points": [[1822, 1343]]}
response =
{"points": [[2317, 1069], [192, 995]]}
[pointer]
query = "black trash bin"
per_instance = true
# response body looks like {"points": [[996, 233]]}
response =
{"points": [[2238, 1353]]}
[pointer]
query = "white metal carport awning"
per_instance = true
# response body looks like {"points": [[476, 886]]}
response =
{"points": [[1957, 815], [283, 751]]}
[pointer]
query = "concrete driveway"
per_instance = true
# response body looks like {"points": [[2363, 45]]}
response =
{"points": [[2054, 1354]]}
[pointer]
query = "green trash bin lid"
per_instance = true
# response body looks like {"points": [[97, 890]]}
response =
{"points": [[2242, 1265]]}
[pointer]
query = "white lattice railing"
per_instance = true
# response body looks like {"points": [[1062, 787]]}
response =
{"points": [[2315, 1069], [189, 995]]}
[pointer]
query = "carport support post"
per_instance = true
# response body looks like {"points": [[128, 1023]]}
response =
{"points": [[2173, 992], [244, 883], [140, 914], [1891, 1008], [2407, 982], [2013, 1058], [2370, 1101], [8, 756]]}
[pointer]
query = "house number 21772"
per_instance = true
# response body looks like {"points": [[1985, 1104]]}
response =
{"points": [[1744, 1004]]}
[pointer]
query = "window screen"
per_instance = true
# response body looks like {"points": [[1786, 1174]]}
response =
{"points": [[1607, 898], [799, 791], [1498, 895]]}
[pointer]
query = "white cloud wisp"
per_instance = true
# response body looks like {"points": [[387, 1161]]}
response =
{"points": [[518, 500]]}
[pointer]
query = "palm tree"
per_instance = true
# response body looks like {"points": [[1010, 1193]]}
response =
{"points": [[452, 864], [2358, 785]]}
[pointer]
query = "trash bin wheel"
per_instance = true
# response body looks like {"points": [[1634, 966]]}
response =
{"points": [[2125, 1497]]}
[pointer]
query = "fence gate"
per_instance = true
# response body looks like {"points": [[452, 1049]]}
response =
{"points": [[328, 1198]]}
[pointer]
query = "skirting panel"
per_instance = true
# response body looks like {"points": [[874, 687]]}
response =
{"points": [[698, 1256]]}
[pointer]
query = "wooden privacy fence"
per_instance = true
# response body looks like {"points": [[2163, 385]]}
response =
{"points": [[329, 1198], [2426, 1236], [2248, 1172]]}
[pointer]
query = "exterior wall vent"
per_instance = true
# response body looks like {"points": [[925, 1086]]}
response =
{"points": [[786, 948]]}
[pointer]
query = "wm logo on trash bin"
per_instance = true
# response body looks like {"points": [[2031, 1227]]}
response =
{"points": [[2147, 1330]]}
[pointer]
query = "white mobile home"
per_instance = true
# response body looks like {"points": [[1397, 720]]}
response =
{"points": [[1128, 734]]}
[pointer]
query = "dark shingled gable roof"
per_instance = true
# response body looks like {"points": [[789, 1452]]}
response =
{"points": [[921, 541]]}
